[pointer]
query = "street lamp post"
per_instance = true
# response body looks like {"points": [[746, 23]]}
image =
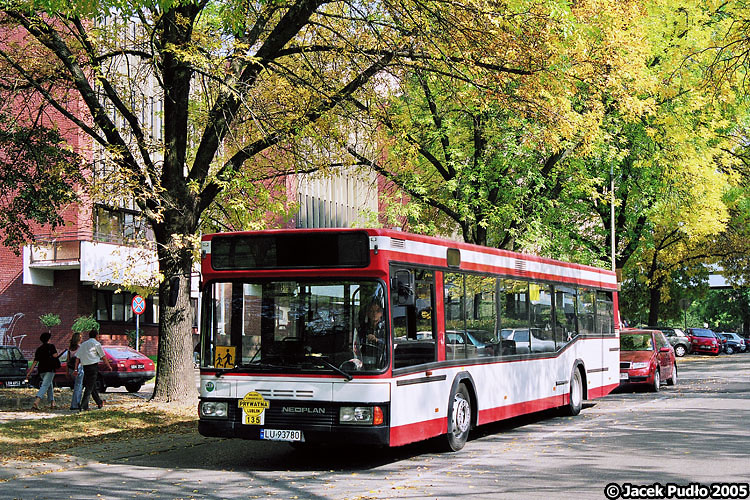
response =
{"points": [[685, 305], [612, 213]]}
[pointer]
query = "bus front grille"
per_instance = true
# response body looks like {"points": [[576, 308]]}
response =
{"points": [[293, 414]]}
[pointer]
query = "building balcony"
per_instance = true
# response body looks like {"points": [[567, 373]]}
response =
{"points": [[98, 259]]}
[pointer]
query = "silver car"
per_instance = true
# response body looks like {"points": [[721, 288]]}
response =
{"points": [[677, 339]]}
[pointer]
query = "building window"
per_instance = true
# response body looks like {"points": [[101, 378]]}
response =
{"points": [[117, 307], [119, 225]]}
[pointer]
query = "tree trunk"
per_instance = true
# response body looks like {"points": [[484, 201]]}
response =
{"points": [[745, 311], [654, 294], [175, 377]]}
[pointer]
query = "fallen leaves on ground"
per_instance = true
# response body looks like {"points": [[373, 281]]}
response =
{"points": [[123, 418]]}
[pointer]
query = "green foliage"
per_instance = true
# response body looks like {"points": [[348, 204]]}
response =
{"points": [[50, 320], [726, 309], [84, 324], [38, 176], [131, 334]]}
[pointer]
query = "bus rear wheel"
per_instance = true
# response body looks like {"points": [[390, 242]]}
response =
{"points": [[459, 420], [575, 400]]}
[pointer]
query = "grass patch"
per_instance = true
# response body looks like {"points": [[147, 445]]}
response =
{"points": [[29, 435]]}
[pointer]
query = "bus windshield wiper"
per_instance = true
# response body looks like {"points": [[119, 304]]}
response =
{"points": [[325, 362]]}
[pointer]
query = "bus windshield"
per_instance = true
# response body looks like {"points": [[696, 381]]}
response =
{"points": [[295, 326]]}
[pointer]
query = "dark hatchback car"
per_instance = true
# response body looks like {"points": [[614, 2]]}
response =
{"points": [[13, 366], [129, 368], [646, 358], [732, 344], [704, 340]]}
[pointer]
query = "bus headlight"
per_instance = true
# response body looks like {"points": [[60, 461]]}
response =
{"points": [[361, 415], [214, 409]]}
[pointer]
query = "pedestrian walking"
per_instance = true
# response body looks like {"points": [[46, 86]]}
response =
{"points": [[74, 372], [89, 354], [46, 359]]}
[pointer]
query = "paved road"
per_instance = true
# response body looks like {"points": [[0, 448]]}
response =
{"points": [[697, 432]]}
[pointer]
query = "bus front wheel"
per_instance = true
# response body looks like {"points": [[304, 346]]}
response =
{"points": [[575, 400], [459, 421]]}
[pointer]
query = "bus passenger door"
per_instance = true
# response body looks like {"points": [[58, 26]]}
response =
{"points": [[413, 323]]}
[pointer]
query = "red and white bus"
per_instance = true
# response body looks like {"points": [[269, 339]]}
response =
{"points": [[381, 337]]}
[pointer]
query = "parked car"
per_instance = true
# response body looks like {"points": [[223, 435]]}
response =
{"points": [[646, 358], [746, 338], [676, 338], [129, 368], [13, 366], [722, 342], [462, 344], [521, 338], [734, 343], [704, 340]]}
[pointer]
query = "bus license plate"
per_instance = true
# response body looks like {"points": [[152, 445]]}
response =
{"points": [[281, 435]]}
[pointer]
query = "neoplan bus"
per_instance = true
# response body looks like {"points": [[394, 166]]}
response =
{"points": [[386, 338]]}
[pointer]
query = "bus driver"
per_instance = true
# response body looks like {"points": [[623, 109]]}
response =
{"points": [[369, 339]]}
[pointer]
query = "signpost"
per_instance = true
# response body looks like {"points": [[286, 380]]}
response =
{"points": [[685, 305], [139, 305]]}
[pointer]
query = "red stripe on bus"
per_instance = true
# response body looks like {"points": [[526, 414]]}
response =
{"points": [[599, 392], [411, 433], [514, 410]]}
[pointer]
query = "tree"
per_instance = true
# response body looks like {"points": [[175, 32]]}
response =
{"points": [[491, 158], [38, 176], [244, 85]]}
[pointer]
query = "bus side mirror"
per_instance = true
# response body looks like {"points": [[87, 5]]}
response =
{"points": [[403, 284]]}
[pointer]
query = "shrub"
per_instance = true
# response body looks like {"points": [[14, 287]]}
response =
{"points": [[49, 320], [85, 324]]}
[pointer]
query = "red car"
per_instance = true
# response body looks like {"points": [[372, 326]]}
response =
{"points": [[704, 340], [646, 358], [129, 368]]}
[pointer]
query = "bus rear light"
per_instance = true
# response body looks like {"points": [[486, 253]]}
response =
{"points": [[361, 415]]}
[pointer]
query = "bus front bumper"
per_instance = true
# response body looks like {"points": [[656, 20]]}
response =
{"points": [[336, 434]]}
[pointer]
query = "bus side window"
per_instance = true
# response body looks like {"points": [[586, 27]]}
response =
{"points": [[414, 325], [455, 326]]}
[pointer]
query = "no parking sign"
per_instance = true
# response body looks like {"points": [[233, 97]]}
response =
{"points": [[139, 305]]}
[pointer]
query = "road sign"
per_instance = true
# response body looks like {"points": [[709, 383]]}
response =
{"points": [[139, 305]]}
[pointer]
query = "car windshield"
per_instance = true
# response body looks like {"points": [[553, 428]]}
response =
{"points": [[702, 332], [295, 326], [11, 354], [636, 342], [454, 337]]}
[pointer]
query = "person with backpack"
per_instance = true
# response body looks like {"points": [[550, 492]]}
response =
{"points": [[46, 357]]}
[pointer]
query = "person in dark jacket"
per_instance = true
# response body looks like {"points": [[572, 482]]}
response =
{"points": [[46, 357]]}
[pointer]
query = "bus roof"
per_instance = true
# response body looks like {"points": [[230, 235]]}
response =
{"points": [[400, 246]]}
